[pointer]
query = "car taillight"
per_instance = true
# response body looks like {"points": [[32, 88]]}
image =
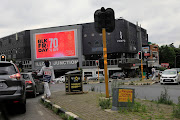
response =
{"points": [[28, 81], [17, 76]]}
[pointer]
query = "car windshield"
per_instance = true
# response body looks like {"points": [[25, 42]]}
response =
{"points": [[169, 72], [25, 76], [7, 69]]}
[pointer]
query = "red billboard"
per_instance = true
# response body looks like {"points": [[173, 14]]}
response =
{"points": [[55, 44]]}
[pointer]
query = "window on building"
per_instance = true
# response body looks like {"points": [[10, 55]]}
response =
{"points": [[10, 41], [89, 43], [88, 74], [100, 72], [85, 35], [96, 42]]}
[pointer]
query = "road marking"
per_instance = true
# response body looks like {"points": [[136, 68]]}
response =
{"points": [[41, 113]]}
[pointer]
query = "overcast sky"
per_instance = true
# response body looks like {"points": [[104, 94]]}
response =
{"points": [[161, 18]]}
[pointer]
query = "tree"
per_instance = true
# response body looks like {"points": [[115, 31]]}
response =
{"points": [[168, 53]]}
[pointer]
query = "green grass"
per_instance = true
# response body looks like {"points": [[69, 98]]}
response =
{"points": [[176, 109], [165, 98], [105, 103]]}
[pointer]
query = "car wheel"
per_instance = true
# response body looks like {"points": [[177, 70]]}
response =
{"points": [[22, 107], [162, 83]]}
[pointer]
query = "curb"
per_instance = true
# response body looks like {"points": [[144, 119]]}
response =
{"points": [[57, 109], [149, 83]]}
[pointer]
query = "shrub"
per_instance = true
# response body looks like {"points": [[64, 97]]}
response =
{"points": [[105, 103], [165, 98], [136, 107], [92, 88]]}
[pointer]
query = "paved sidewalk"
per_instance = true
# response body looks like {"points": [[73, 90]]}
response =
{"points": [[86, 106]]}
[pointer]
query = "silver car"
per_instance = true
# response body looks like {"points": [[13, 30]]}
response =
{"points": [[170, 76]]}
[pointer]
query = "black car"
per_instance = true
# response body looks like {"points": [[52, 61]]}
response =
{"points": [[12, 86], [34, 86], [118, 75]]}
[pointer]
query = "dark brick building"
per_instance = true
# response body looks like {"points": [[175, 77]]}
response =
{"points": [[123, 45]]}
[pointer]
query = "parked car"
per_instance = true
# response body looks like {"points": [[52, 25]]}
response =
{"points": [[12, 86], [95, 77], [118, 75], [59, 79], [170, 76], [34, 85]]}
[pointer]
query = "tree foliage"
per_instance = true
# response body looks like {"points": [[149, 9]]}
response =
{"points": [[168, 53]]}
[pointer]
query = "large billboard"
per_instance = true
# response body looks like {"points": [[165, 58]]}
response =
{"points": [[58, 44]]}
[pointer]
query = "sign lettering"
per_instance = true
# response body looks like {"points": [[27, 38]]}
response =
{"points": [[125, 95]]}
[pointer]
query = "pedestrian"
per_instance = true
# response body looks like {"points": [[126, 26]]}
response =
{"points": [[48, 75], [153, 73]]}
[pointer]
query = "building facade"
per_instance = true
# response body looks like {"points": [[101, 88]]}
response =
{"points": [[64, 46]]}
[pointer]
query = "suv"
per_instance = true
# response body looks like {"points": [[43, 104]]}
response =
{"points": [[12, 86]]}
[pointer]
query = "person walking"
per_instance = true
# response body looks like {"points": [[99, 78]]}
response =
{"points": [[48, 75], [153, 73]]}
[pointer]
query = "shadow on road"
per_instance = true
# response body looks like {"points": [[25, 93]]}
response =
{"points": [[3, 112]]}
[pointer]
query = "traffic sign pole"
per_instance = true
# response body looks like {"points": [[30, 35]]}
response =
{"points": [[105, 60]]}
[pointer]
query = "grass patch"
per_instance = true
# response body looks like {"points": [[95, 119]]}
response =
{"points": [[65, 117], [176, 109], [105, 103], [165, 98]]}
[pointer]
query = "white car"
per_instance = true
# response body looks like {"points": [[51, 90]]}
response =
{"points": [[60, 79], [95, 77], [170, 76]]}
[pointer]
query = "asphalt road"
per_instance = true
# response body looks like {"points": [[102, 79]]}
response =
{"points": [[149, 92], [36, 111]]}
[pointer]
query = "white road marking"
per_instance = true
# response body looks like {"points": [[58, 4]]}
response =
{"points": [[41, 113]]}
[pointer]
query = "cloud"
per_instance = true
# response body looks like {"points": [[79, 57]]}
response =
{"points": [[160, 18]]}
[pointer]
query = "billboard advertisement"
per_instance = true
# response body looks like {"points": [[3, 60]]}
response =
{"points": [[58, 44]]}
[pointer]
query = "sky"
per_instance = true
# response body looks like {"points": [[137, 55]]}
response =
{"points": [[161, 18]]}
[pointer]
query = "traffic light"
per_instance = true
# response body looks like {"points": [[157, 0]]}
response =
{"points": [[139, 55], [99, 20], [3, 58], [101, 63], [104, 18], [110, 20], [97, 63]]}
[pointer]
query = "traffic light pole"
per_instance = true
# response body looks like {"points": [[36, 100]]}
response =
{"points": [[141, 69], [98, 73], [105, 60]]}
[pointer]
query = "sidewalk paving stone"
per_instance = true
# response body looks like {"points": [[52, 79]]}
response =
{"points": [[86, 106]]}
